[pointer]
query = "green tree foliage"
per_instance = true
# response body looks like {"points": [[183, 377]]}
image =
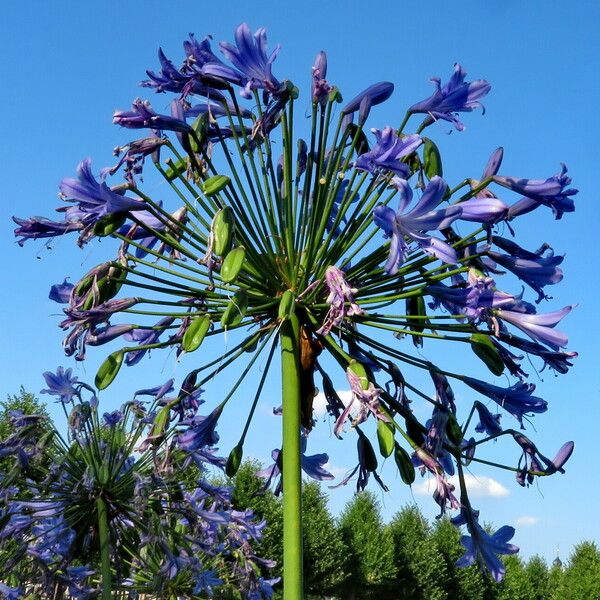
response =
{"points": [[581, 579], [370, 546], [536, 571], [325, 552], [27, 403], [516, 585], [464, 583]]}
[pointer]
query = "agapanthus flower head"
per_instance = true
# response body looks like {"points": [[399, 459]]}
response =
{"points": [[414, 224], [455, 96]]}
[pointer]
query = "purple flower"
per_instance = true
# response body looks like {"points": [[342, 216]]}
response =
{"points": [[94, 199], [493, 163], [61, 292], [320, 86], [367, 400], [108, 333], [313, 465], [134, 153], [201, 431], [145, 337], [539, 327], [143, 117], [387, 153], [249, 57], [559, 361], [421, 218], [215, 110], [516, 399], [488, 423], [340, 294], [113, 418], [373, 95], [483, 548], [456, 96], [483, 209], [551, 192], [11, 593], [61, 384], [444, 490], [562, 456], [40, 227], [536, 269]]}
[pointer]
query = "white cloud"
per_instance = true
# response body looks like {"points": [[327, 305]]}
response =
{"points": [[478, 486], [320, 403], [526, 521]]}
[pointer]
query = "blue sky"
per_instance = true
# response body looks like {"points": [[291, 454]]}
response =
{"points": [[68, 65]]}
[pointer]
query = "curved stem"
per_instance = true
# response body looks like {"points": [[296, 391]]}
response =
{"points": [[292, 482]]}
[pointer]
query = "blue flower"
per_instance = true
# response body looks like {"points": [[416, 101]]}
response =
{"points": [[483, 548], [201, 431], [249, 57], [40, 227], [61, 384], [488, 423], [373, 95], [456, 96], [550, 192], [414, 224], [143, 117], [61, 292], [539, 327], [387, 153], [516, 399]]}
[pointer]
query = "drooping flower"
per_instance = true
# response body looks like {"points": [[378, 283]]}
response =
{"points": [[483, 548], [201, 431], [387, 153], [423, 217], [61, 384], [556, 360], [536, 269], [142, 116], [488, 423], [340, 294], [550, 192], [456, 96], [39, 227], [539, 327], [145, 337], [61, 292], [516, 399]]}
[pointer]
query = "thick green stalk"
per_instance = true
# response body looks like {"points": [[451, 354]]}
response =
{"points": [[292, 482], [103, 537]]}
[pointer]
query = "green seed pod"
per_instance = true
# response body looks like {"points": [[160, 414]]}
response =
{"points": [[432, 159], [222, 230], [108, 369], [233, 461], [484, 348], [404, 464], [385, 437], [235, 310], [358, 369], [453, 430], [175, 169], [108, 224], [213, 185], [286, 305], [195, 333], [232, 264]]}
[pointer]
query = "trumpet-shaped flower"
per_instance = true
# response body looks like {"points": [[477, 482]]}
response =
{"points": [[456, 96], [414, 224], [387, 153]]}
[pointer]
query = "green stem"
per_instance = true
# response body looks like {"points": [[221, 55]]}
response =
{"points": [[292, 482], [104, 548]]}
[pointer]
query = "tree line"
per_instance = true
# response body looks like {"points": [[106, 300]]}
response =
{"points": [[358, 556]]}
